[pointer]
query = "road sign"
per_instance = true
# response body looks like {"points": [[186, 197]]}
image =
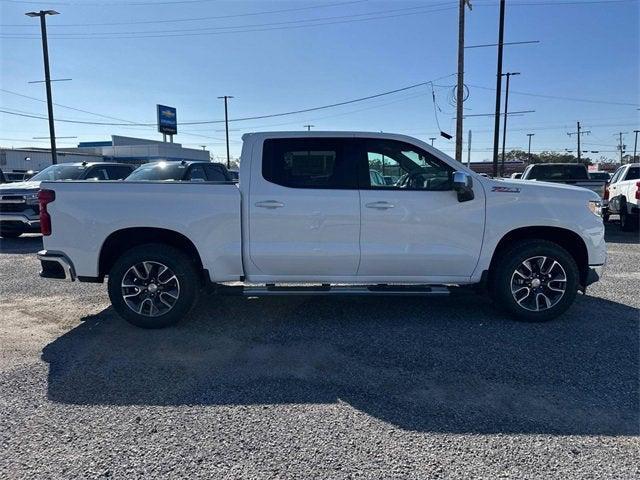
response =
{"points": [[167, 120]]}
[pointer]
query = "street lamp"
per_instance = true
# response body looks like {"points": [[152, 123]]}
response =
{"points": [[47, 76]]}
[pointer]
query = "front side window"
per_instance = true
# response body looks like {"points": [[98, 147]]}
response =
{"points": [[398, 165], [117, 172], [309, 163], [215, 173]]}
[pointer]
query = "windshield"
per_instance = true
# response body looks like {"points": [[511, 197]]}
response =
{"points": [[158, 171], [60, 172], [599, 175]]}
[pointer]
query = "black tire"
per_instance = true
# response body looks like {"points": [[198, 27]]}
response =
{"points": [[503, 275], [627, 222], [182, 267], [10, 234]]}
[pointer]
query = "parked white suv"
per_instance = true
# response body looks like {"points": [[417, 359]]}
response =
{"points": [[623, 195], [306, 219]]}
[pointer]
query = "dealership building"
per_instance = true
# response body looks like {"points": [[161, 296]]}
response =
{"points": [[119, 149]]}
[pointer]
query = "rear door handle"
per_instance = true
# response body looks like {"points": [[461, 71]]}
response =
{"points": [[380, 205], [270, 204]]}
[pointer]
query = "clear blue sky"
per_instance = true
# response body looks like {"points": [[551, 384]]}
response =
{"points": [[588, 50]]}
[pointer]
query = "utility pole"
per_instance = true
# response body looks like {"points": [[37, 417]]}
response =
{"points": [[579, 132], [432, 139], [469, 150], [308, 127], [47, 77], [635, 146], [496, 129], [529, 151], [460, 85], [226, 126], [506, 110], [621, 146]]}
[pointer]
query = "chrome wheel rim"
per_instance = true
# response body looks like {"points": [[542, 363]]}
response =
{"points": [[150, 288], [538, 283]]}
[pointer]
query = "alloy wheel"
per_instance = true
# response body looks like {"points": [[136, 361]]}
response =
{"points": [[538, 283], [150, 288]]}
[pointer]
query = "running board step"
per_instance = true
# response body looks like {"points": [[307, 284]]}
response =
{"points": [[354, 290]]}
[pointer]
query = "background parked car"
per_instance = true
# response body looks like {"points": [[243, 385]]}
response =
{"points": [[568, 173], [19, 210], [19, 176], [604, 176], [623, 196], [184, 171]]}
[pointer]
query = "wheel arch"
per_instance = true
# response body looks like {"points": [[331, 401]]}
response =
{"points": [[122, 240], [567, 239]]}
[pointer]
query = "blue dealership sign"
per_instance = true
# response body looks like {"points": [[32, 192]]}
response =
{"points": [[167, 120]]}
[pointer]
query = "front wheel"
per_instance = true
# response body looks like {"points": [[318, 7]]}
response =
{"points": [[153, 285], [534, 280]]}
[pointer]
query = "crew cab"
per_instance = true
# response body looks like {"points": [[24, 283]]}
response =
{"points": [[19, 211], [623, 196], [306, 219], [568, 173]]}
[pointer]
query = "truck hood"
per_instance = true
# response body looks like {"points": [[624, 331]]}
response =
{"points": [[546, 188], [18, 188]]}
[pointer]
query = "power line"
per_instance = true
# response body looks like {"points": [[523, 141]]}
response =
{"points": [[256, 117], [255, 28], [196, 19]]}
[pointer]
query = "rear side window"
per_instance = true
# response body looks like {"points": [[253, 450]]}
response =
{"points": [[633, 173], [117, 172], [196, 173], [328, 163]]}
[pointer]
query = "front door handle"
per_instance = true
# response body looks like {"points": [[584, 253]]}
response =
{"points": [[270, 204], [380, 205]]}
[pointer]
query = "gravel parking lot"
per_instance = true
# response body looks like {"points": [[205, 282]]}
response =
{"points": [[318, 388]]}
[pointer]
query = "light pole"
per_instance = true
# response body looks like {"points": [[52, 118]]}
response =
{"points": [[529, 151], [47, 76], [635, 145], [308, 127], [506, 110], [496, 129], [226, 126], [432, 139]]}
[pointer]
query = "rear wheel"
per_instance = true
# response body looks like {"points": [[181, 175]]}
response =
{"points": [[535, 280], [627, 222], [153, 285]]}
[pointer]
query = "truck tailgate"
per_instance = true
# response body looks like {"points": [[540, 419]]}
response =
{"points": [[85, 213]]}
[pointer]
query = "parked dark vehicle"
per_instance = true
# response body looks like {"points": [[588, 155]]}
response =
{"points": [[3, 179], [604, 176], [569, 173], [19, 210], [19, 176], [183, 171]]}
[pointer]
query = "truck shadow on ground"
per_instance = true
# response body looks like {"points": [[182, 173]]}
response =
{"points": [[21, 245], [444, 365]]}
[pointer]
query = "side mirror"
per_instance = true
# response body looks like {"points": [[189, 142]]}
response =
{"points": [[463, 185]]}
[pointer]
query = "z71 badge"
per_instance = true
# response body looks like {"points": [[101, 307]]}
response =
{"points": [[505, 189]]}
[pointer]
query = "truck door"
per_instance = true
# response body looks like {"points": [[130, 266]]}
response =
{"points": [[415, 227], [304, 212]]}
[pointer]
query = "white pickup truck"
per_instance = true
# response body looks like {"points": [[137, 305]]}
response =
{"points": [[622, 195], [305, 219]]}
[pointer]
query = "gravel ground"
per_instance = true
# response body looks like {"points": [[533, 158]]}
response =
{"points": [[318, 388]]}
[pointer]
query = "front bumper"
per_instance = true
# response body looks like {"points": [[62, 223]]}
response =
{"points": [[18, 221], [56, 266]]}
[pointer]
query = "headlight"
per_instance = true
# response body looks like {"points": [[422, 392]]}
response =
{"points": [[595, 206], [31, 199]]}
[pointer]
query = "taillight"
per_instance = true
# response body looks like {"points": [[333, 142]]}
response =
{"points": [[45, 197], [637, 190], [606, 191]]}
